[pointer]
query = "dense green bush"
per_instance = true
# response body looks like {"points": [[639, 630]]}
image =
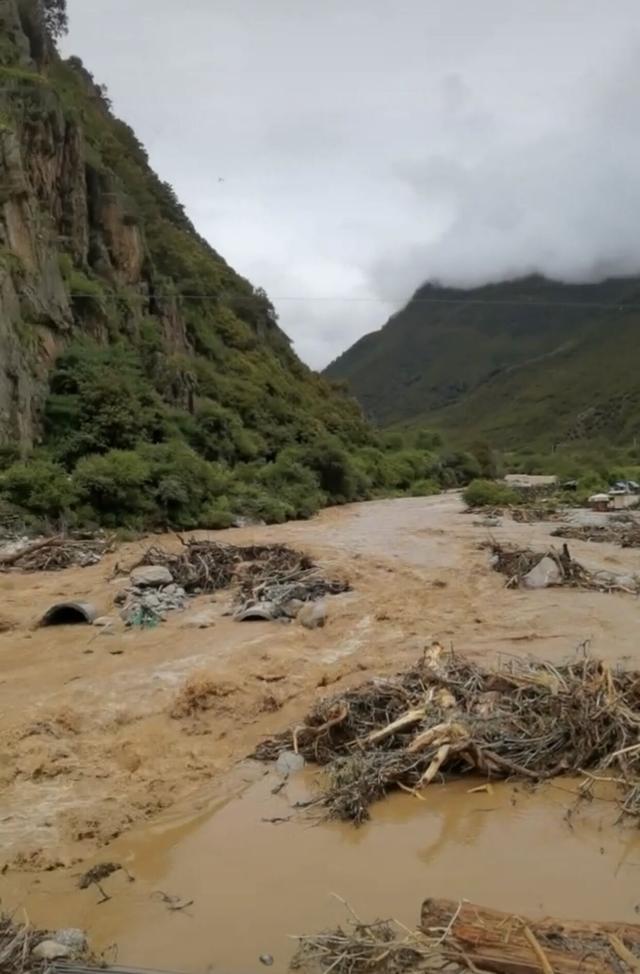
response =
{"points": [[339, 477], [296, 485], [488, 493], [115, 487], [38, 486], [425, 488], [100, 400]]}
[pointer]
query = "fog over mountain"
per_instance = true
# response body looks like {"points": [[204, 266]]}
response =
{"points": [[341, 154]]}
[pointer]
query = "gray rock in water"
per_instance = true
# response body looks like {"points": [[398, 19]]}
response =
{"points": [[103, 621], [51, 950], [72, 937], [313, 616], [266, 959], [151, 576], [545, 574], [289, 762]]}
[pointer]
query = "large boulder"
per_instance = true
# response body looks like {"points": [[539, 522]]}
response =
{"points": [[151, 576], [546, 573]]}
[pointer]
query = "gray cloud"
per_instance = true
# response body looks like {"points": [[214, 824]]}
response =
{"points": [[368, 146]]}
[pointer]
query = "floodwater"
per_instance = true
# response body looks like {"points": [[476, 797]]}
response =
{"points": [[247, 884], [94, 768]]}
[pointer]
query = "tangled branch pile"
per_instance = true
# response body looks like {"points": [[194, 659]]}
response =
{"points": [[623, 533], [54, 554], [517, 563], [273, 574], [448, 716]]}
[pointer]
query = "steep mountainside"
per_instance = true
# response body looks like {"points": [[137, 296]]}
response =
{"points": [[98, 261], [526, 359]]}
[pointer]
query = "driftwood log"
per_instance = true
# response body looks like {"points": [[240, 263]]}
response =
{"points": [[489, 940]]}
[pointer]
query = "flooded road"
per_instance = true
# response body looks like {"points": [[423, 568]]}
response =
{"points": [[94, 768]]}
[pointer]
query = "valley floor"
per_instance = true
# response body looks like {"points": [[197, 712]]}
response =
{"points": [[95, 767]]}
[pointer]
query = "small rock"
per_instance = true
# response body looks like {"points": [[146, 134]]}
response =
{"points": [[72, 937], [545, 574], [289, 762], [116, 651], [266, 959], [313, 616], [103, 621], [51, 950], [151, 576]]}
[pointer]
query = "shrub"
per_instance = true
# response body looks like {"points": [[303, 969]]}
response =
{"points": [[218, 434], [100, 400], [254, 501], [425, 488], [38, 486], [294, 484], [216, 518], [181, 484], [459, 468], [338, 476], [488, 493], [115, 485]]}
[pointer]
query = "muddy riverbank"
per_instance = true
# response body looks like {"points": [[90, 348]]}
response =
{"points": [[94, 766]]}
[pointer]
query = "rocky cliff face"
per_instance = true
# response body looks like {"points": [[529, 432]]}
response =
{"points": [[93, 245]]}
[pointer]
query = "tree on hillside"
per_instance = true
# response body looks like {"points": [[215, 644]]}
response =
{"points": [[56, 22]]}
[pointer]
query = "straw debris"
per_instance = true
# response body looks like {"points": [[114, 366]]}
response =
{"points": [[447, 716]]}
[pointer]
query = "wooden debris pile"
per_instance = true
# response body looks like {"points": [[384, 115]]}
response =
{"points": [[623, 533], [273, 574], [447, 716], [517, 564], [54, 554], [460, 937]]}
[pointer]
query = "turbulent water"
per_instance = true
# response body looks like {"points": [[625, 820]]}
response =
{"points": [[94, 767]]}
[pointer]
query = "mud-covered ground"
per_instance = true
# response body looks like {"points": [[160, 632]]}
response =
{"points": [[90, 745]]}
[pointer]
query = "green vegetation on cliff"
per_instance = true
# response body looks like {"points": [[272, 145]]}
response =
{"points": [[143, 382]]}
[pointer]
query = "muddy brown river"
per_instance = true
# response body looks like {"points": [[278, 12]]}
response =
{"points": [[94, 768]]}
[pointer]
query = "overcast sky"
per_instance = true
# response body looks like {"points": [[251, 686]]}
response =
{"points": [[341, 152]]}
